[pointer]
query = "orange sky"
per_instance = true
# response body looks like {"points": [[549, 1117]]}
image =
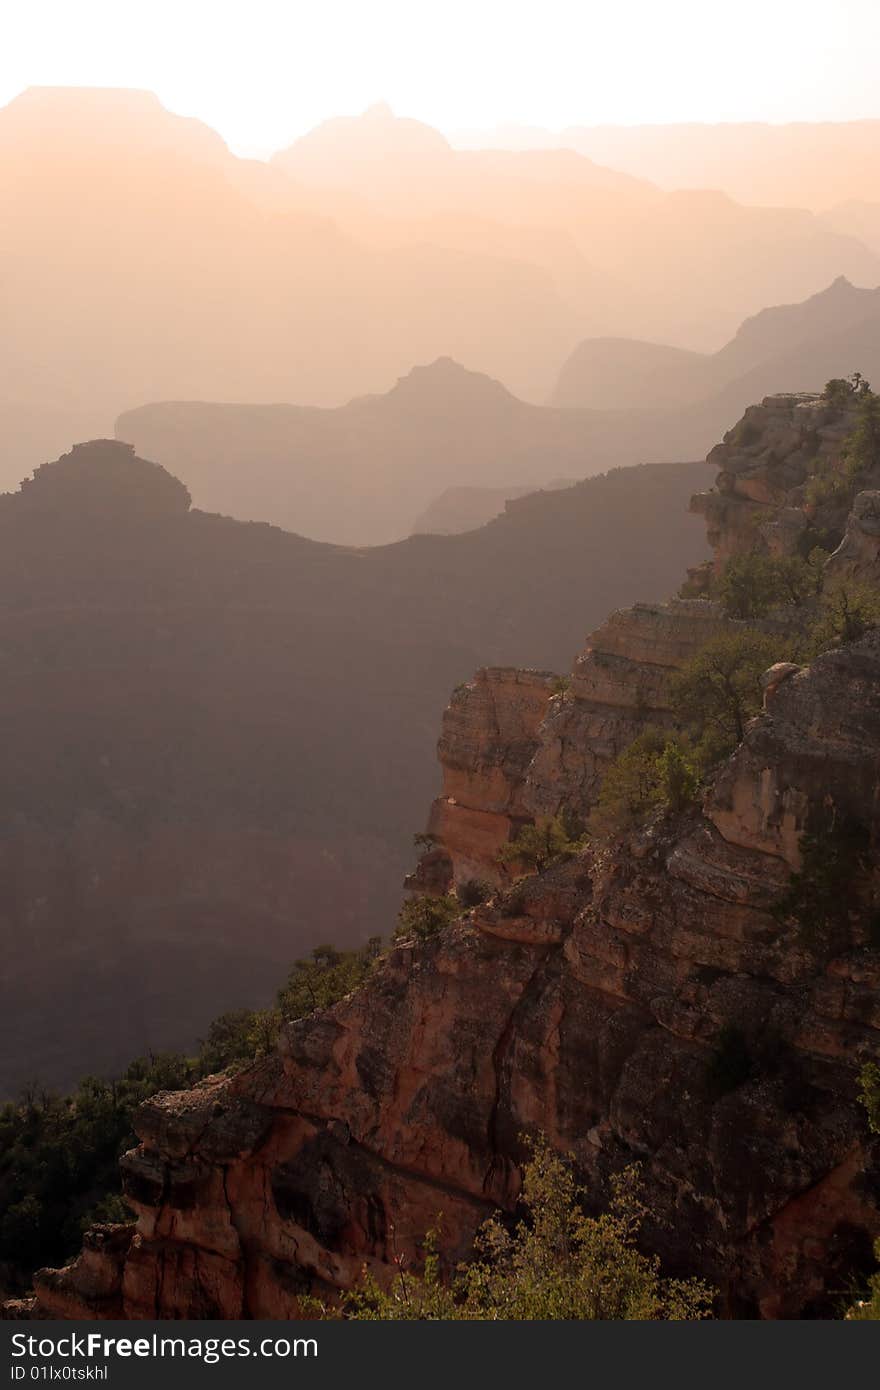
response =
{"points": [[264, 71]]}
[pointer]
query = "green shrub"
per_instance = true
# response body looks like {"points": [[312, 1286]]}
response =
{"points": [[862, 448], [748, 587], [840, 392], [326, 976], [828, 487], [513, 903], [870, 1094], [423, 840], [556, 1263], [535, 847], [719, 690], [474, 891], [657, 771], [423, 917], [867, 1307], [849, 610], [753, 584]]}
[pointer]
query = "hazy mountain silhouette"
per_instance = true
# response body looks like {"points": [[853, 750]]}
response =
{"points": [[363, 473], [466, 508], [809, 164], [856, 218], [143, 261], [785, 348], [693, 259], [218, 736]]}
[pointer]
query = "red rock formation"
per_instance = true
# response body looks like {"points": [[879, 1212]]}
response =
{"points": [[490, 734], [765, 462], [592, 1015], [591, 1005]]}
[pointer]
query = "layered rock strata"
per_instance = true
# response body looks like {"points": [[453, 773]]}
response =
{"points": [[595, 1004], [765, 463], [593, 1013]]}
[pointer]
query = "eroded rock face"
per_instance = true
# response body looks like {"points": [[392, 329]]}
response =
{"points": [[594, 1014], [591, 1003], [765, 462], [858, 555], [513, 748], [489, 737], [620, 685]]}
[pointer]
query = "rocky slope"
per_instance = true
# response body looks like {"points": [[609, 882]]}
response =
{"points": [[591, 1005]]}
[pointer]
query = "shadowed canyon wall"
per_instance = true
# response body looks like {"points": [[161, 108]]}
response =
{"points": [[588, 1005]]}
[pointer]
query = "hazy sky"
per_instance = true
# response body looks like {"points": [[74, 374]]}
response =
{"points": [[263, 71]]}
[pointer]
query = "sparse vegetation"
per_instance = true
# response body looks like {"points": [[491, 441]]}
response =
{"points": [[862, 449], [848, 610], [59, 1158], [753, 584], [719, 690], [327, 976], [835, 484], [656, 772], [59, 1155], [870, 1094], [536, 846], [867, 1307], [473, 892], [425, 841], [556, 1263], [841, 391], [423, 917]]}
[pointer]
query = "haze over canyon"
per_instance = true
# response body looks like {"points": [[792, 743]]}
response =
{"points": [[439, 684]]}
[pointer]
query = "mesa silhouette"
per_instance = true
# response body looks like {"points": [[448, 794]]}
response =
{"points": [[372, 471]]}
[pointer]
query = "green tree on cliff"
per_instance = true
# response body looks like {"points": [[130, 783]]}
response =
{"points": [[867, 1309], [536, 846], [718, 691], [849, 610], [556, 1263], [423, 916], [658, 771]]}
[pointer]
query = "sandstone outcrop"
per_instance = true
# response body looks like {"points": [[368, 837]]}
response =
{"points": [[488, 740], [516, 747], [764, 463]]}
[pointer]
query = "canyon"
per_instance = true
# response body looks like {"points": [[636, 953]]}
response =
{"points": [[217, 736], [586, 1002]]}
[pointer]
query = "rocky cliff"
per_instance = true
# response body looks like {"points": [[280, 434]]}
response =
{"points": [[592, 1005], [766, 463]]}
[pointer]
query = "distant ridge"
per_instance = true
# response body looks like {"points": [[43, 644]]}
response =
{"points": [[218, 736]]}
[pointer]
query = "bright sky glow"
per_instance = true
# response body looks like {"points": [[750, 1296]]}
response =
{"points": [[263, 71]]}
